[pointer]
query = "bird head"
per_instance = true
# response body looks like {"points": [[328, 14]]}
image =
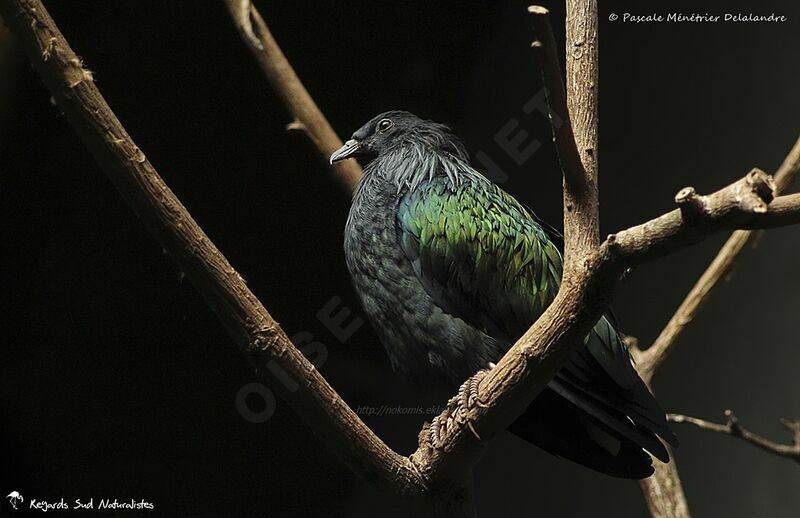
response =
{"points": [[394, 129]]}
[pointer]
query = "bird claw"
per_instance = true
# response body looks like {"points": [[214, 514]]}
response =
{"points": [[468, 392], [458, 409]]}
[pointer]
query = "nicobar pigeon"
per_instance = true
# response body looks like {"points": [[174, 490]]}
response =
{"points": [[452, 270]]}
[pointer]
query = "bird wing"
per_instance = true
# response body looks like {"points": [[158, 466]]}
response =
{"points": [[479, 253], [485, 258], [488, 260]]}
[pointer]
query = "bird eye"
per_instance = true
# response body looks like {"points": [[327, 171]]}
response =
{"points": [[385, 125]]}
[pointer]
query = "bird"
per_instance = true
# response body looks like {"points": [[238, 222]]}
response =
{"points": [[451, 270]]}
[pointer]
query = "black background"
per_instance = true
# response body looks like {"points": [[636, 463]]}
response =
{"points": [[117, 381]]}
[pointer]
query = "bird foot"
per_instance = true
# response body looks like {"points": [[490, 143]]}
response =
{"points": [[457, 411]]}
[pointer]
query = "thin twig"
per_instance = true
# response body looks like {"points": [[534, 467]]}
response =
{"points": [[287, 85], [563, 135], [734, 429], [245, 318], [657, 353]]}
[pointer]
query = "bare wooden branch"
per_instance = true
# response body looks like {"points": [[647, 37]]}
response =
{"points": [[663, 490], [581, 205], [747, 203], [563, 136], [245, 318], [652, 358], [789, 169], [734, 429], [287, 85]]}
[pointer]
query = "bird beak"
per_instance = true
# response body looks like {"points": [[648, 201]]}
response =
{"points": [[350, 149]]}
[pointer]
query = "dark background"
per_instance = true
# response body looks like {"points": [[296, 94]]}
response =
{"points": [[117, 381]]}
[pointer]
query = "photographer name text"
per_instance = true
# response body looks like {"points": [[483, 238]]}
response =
{"points": [[698, 18]]}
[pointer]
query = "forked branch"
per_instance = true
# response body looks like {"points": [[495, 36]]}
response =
{"points": [[655, 355], [734, 429]]}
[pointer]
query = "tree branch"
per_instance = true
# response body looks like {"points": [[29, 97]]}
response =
{"points": [[288, 86], [734, 429], [563, 135], [747, 203], [652, 358], [581, 205], [663, 491], [245, 318]]}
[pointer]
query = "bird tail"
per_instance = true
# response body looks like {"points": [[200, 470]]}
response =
{"points": [[567, 431], [586, 416]]}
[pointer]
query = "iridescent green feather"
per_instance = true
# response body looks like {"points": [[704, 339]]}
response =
{"points": [[481, 253], [487, 259]]}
